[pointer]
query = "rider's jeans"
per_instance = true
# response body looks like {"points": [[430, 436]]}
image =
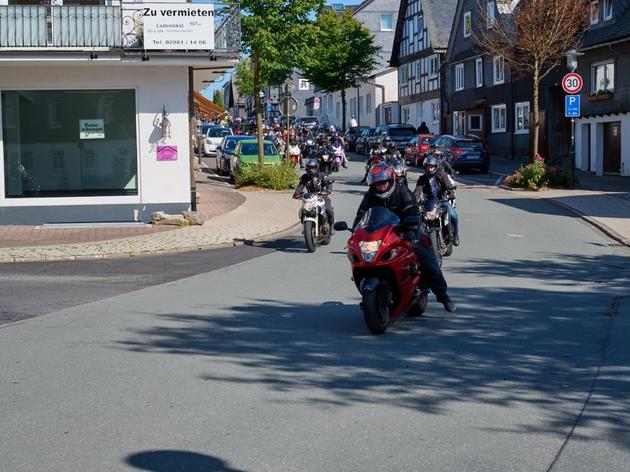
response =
{"points": [[452, 213], [432, 275]]}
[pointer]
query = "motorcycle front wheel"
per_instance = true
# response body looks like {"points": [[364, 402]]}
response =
{"points": [[376, 308], [434, 237], [309, 236]]}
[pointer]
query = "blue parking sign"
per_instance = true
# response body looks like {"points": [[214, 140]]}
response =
{"points": [[572, 106]]}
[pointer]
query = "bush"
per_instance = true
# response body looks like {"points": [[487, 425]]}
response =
{"points": [[279, 176], [537, 175]]}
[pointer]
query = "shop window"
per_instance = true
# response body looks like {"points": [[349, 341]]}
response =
{"points": [[86, 147]]}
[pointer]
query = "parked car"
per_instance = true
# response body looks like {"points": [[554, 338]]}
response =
{"points": [[310, 121], [214, 135], [467, 152], [361, 144], [246, 153], [417, 148], [225, 150], [351, 135], [400, 133]]}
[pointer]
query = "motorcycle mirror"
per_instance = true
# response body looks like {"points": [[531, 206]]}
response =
{"points": [[341, 226]]}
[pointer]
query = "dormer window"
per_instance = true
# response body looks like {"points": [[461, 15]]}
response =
{"points": [[608, 10], [490, 14], [594, 13]]}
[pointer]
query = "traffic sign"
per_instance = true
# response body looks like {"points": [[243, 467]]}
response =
{"points": [[316, 102], [288, 105], [572, 106], [572, 83], [303, 84]]}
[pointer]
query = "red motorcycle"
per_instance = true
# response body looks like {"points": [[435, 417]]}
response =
{"points": [[384, 269]]}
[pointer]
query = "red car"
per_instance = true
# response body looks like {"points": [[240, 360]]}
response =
{"points": [[417, 148]]}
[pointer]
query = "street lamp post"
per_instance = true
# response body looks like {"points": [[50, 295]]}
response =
{"points": [[288, 90]]}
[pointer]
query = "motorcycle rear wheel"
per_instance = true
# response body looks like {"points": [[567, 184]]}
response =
{"points": [[309, 236], [376, 308]]}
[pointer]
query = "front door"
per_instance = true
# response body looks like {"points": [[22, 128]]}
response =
{"points": [[612, 147]]}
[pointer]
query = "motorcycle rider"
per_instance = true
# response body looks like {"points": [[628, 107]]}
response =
{"points": [[437, 183], [385, 192], [336, 144], [377, 149], [316, 181]]}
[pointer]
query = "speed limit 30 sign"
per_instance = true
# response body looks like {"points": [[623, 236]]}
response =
{"points": [[572, 83]]}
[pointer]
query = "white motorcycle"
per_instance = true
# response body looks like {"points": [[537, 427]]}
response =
{"points": [[315, 220]]}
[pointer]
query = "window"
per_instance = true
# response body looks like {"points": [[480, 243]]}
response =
{"points": [[475, 123], [498, 118], [608, 10], [594, 12], [459, 77], [459, 120], [75, 151], [361, 111], [434, 66], [521, 118], [368, 104], [603, 77], [410, 29], [467, 24], [329, 108], [387, 22], [405, 115], [499, 70], [479, 72], [337, 110], [490, 14], [435, 112]]}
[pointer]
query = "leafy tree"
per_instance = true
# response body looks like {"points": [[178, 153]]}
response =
{"points": [[532, 40], [217, 99], [342, 53], [244, 80], [272, 32]]}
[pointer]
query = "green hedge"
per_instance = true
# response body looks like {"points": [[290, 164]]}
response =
{"points": [[281, 176]]}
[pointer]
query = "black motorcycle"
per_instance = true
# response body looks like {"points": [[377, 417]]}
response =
{"points": [[436, 223]]}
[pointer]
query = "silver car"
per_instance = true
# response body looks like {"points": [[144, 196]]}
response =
{"points": [[214, 135]]}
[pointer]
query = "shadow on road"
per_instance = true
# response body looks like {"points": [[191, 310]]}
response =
{"points": [[505, 346], [177, 461]]}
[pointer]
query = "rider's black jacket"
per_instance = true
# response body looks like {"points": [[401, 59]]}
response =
{"points": [[312, 183], [402, 202], [444, 185]]}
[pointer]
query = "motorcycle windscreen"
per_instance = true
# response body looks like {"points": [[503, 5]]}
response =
{"points": [[376, 218]]}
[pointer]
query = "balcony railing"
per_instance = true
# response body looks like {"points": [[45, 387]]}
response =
{"points": [[86, 26]]}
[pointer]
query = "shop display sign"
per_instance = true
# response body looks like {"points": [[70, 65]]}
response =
{"points": [[167, 153], [92, 129], [176, 26]]}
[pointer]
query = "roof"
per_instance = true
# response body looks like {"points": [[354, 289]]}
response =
{"points": [[609, 31], [438, 17]]}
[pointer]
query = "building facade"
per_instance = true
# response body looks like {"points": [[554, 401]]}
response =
{"points": [[602, 134], [483, 97], [422, 35], [96, 109]]}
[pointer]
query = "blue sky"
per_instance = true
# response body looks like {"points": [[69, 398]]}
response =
{"points": [[209, 91]]}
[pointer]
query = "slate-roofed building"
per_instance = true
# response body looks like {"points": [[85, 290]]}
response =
{"points": [[603, 131]]}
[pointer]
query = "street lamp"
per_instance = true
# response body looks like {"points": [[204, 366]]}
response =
{"points": [[572, 64]]}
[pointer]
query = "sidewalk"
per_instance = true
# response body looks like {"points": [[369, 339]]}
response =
{"points": [[234, 217], [602, 201]]}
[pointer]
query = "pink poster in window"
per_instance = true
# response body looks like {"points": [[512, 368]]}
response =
{"points": [[167, 153]]}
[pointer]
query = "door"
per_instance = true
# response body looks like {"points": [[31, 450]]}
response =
{"points": [[612, 147]]}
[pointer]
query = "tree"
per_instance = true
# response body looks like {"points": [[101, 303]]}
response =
{"points": [[217, 99], [532, 40], [244, 80], [342, 53], [272, 32]]}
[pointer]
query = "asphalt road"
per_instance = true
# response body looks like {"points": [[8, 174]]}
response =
{"points": [[266, 365]]}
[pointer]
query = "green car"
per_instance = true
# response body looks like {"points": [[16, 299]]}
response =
{"points": [[246, 153]]}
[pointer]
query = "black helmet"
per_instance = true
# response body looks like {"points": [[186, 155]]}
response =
{"points": [[312, 166], [381, 173], [430, 165], [387, 140]]}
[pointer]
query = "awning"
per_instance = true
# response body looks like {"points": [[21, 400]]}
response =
{"points": [[207, 109]]}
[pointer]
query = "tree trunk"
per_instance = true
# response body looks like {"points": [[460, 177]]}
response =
{"points": [[258, 110], [343, 109], [534, 149]]}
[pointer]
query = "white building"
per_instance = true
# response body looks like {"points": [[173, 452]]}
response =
{"points": [[95, 100]]}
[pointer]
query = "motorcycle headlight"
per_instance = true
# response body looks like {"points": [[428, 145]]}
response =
{"points": [[369, 249], [325, 157], [310, 204], [432, 215]]}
